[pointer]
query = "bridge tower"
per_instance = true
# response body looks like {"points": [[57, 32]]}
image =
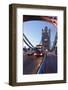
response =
{"points": [[46, 38]]}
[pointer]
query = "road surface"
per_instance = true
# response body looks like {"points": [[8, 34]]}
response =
{"points": [[39, 65], [31, 64], [49, 65]]}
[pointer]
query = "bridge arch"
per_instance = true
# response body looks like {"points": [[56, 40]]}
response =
{"points": [[51, 19]]}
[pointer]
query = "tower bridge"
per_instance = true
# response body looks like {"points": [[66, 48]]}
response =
{"points": [[39, 65], [45, 40]]}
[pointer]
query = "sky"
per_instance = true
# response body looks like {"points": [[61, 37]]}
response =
{"points": [[33, 30]]}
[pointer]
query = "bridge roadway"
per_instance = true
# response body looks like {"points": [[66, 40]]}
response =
{"points": [[49, 64], [33, 64]]}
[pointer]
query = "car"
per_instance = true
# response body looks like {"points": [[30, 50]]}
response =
{"points": [[38, 53], [30, 54]]}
